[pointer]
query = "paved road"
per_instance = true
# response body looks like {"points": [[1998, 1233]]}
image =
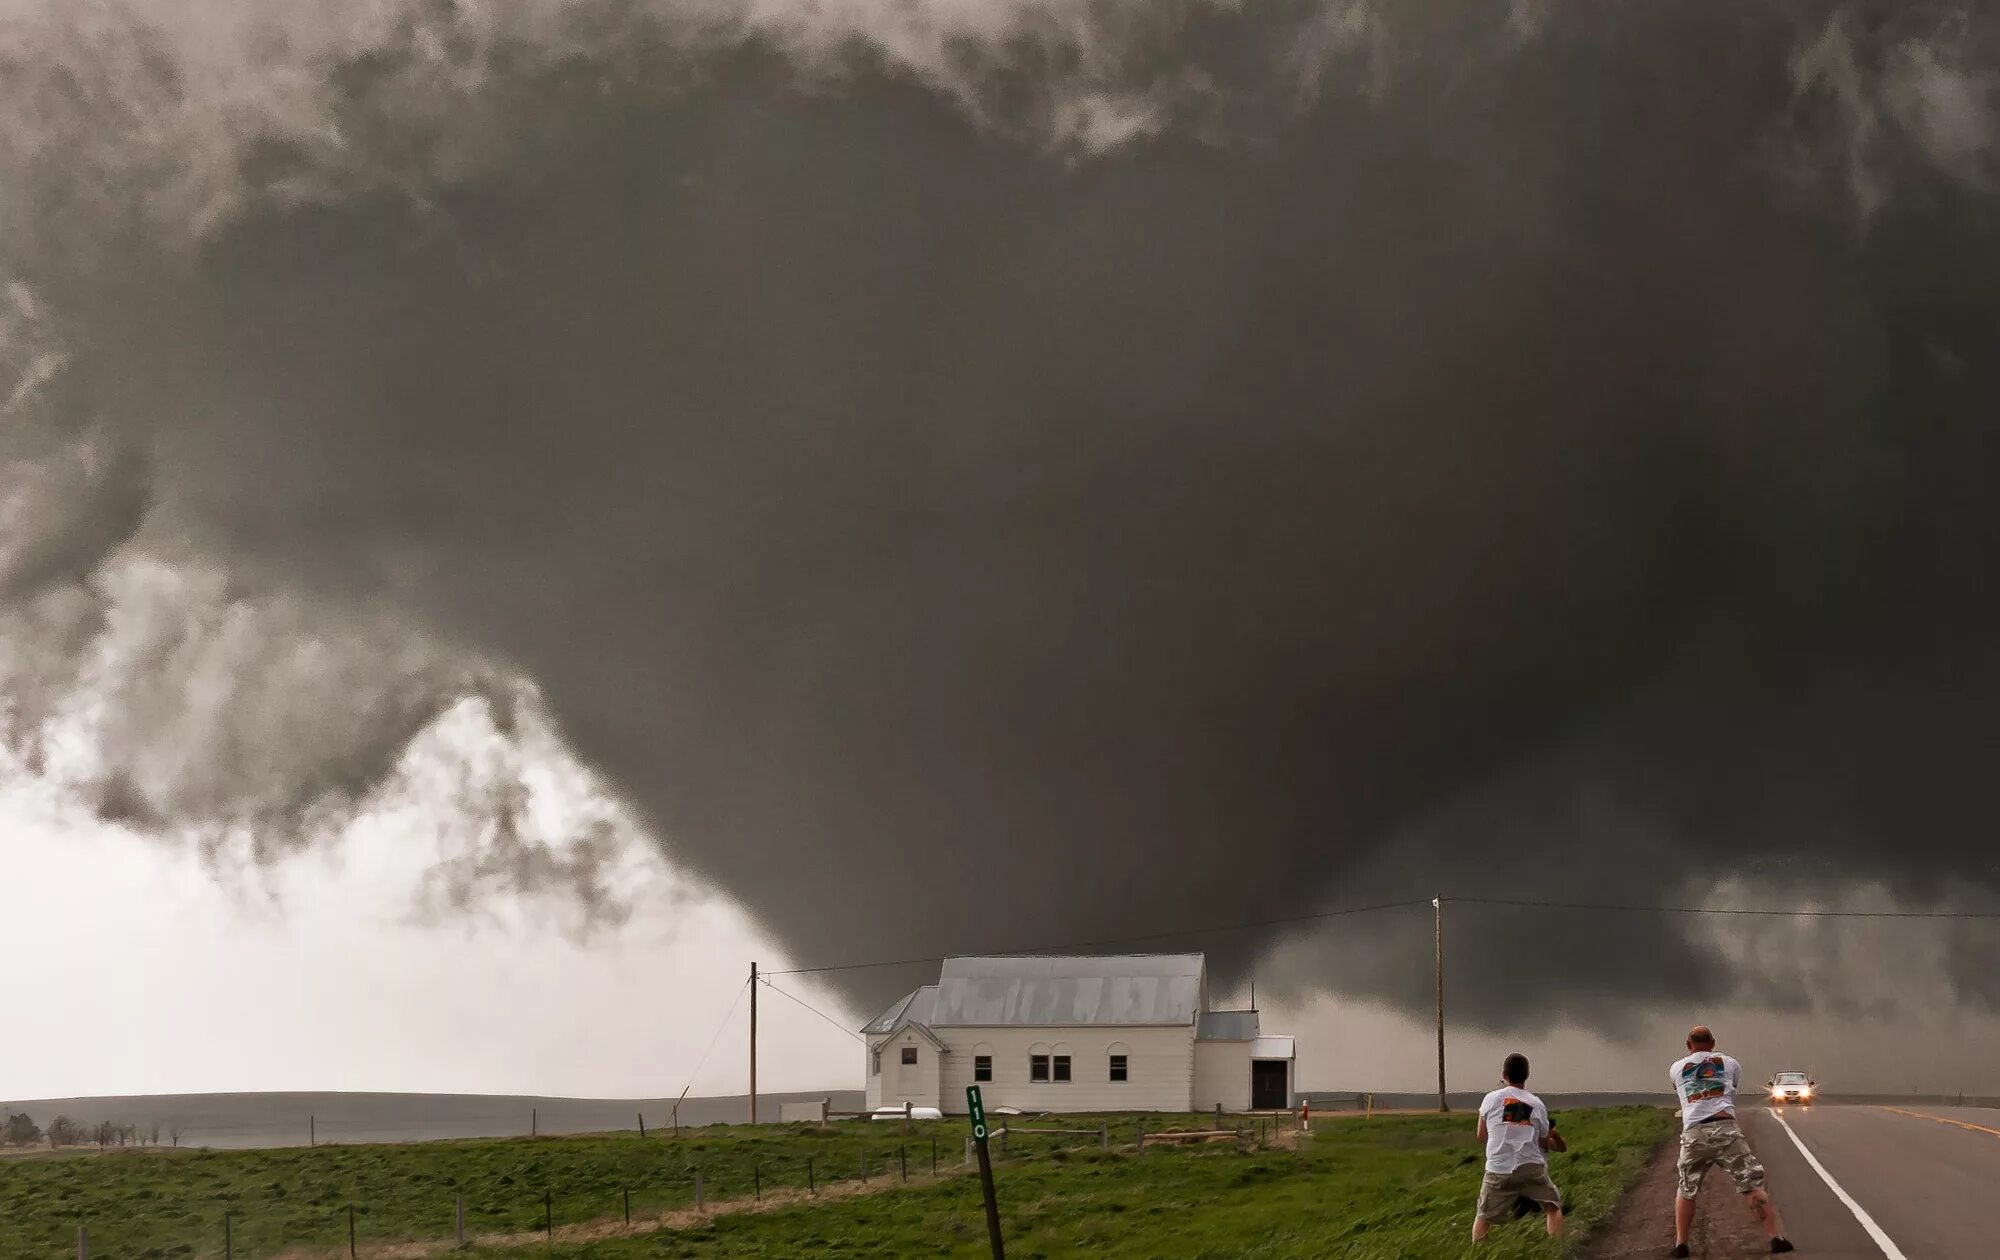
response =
{"points": [[1931, 1188]]}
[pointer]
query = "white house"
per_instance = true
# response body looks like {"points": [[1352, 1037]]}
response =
{"points": [[1130, 1032]]}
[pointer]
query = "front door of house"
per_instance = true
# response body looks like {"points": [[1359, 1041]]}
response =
{"points": [[1270, 1088]]}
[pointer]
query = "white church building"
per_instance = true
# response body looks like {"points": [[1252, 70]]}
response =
{"points": [[1129, 1032]]}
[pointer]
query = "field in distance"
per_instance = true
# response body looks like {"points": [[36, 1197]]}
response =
{"points": [[1382, 1188]]}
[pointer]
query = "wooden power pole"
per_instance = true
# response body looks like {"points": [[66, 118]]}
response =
{"points": [[1437, 905], [753, 1043]]}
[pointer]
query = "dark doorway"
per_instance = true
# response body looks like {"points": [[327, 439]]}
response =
{"points": [[1269, 1088]]}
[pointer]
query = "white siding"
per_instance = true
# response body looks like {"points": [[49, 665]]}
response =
{"points": [[1159, 1068], [902, 1083], [872, 1080], [1221, 1075]]}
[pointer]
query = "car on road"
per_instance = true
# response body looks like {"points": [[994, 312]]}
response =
{"points": [[1791, 1087]]}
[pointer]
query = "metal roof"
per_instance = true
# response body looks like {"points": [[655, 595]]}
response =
{"points": [[1274, 1048], [1227, 1026], [1130, 990], [915, 1006]]}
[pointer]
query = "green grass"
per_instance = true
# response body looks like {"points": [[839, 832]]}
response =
{"points": [[1384, 1189], [1387, 1187]]}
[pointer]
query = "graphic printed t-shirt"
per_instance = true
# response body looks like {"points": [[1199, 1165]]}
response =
{"points": [[1516, 1123], [1706, 1082]]}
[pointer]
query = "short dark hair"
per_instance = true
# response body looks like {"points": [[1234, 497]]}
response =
{"points": [[1700, 1036], [1515, 1070]]}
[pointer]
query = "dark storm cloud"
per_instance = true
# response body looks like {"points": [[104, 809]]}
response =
{"points": [[1137, 466]]}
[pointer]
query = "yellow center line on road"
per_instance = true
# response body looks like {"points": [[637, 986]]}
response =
{"points": [[1963, 1124]]}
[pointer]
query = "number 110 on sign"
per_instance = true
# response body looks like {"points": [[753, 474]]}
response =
{"points": [[977, 1109]]}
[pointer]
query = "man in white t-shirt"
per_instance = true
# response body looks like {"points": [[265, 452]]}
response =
{"points": [[1518, 1134], [1705, 1082]]}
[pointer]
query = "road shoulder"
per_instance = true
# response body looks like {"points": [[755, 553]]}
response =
{"points": [[1643, 1224]]}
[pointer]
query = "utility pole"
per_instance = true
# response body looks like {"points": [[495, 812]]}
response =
{"points": [[753, 1043], [1437, 905]]}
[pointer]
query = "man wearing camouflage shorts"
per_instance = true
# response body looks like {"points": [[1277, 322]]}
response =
{"points": [[1705, 1082]]}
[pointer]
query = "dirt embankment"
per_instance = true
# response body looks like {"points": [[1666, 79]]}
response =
{"points": [[1643, 1225]]}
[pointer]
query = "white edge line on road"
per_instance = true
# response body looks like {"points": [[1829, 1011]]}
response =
{"points": [[1882, 1240]]}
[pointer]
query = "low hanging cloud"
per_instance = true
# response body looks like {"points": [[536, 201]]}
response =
{"points": [[990, 475]]}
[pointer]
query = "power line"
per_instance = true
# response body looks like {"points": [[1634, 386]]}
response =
{"points": [[1759, 911], [1071, 946], [815, 1010], [740, 991], [1776, 912]]}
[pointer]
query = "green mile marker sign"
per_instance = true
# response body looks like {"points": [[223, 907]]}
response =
{"points": [[977, 1109]]}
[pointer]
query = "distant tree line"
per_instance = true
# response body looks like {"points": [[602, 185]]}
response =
{"points": [[21, 1130]]}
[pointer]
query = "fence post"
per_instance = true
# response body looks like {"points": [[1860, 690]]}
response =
{"points": [[1104, 1134], [228, 1239], [351, 1251], [628, 1206], [968, 1149], [548, 1214], [1141, 1148], [534, 1121], [812, 1187], [864, 1168], [83, 1242], [697, 1190], [906, 1117], [903, 1158], [1218, 1115], [933, 1156], [642, 1124], [1003, 1141], [459, 1231], [312, 1130], [757, 1183]]}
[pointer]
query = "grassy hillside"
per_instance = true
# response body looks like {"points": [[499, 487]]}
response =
{"points": [[1387, 1187]]}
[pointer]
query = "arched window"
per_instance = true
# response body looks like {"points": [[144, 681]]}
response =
{"points": [[1059, 1063], [1038, 1063], [1118, 1063]]}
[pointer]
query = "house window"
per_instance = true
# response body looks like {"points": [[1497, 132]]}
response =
{"points": [[982, 1067], [909, 1056], [1118, 1067], [1062, 1067], [1038, 1067], [875, 1063]]}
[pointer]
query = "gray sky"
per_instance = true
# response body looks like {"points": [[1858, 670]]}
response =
{"points": [[1148, 462], [149, 975], [130, 968]]}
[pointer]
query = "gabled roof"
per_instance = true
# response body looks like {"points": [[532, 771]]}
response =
{"points": [[1227, 1026], [922, 1030], [914, 1006], [1130, 990]]}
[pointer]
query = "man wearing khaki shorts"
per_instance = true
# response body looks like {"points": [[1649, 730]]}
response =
{"points": [[1705, 1083], [1518, 1134]]}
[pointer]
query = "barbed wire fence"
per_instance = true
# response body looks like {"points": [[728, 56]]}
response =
{"points": [[704, 1179]]}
